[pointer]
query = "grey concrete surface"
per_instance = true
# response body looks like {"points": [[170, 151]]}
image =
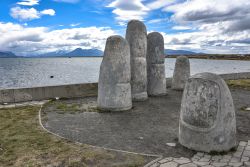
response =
{"points": [[136, 35], [114, 89], [181, 73], [207, 116], [156, 65], [146, 128]]}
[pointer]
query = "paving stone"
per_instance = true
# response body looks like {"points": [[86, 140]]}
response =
{"points": [[240, 148], [224, 160], [171, 144], [237, 154], [182, 160], [204, 159], [235, 164], [199, 154], [169, 164], [242, 143], [201, 163], [247, 164], [207, 156], [165, 160], [188, 165], [219, 164], [196, 157], [247, 148], [235, 159], [216, 157], [244, 159], [246, 153], [155, 165], [227, 156]]}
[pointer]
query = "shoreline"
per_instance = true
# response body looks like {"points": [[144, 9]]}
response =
{"points": [[17, 95], [206, 57], [214, 57]]}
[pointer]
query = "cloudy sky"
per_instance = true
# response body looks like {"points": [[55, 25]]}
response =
{"points": [[29, 27]]}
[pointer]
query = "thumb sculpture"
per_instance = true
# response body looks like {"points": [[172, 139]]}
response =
{"points": [[156, 65], [181, 73], [207, 118], [114, 89], [136, 36]]}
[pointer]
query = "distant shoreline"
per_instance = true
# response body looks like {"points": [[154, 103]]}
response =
{"points": [[215, 57], [52, 57], [205, 56]]}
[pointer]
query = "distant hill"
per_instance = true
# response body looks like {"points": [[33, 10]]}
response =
{"points": [[7, 55], [79, 52], [84, 52], [52, 54], [179, 52]]}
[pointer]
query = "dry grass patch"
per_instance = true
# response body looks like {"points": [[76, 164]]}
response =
{"points": [[240, 83], [24, 143]]}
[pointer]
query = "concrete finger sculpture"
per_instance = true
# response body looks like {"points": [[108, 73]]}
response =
{"points": [[207, 118], [156, 65], [136, 36], [114, 89], [181, 73]]}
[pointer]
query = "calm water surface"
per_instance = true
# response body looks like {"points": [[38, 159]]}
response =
{"points": [[32, 72]]}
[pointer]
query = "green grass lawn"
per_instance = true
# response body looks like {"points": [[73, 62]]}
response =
{"points": [[241, 83], [24, 143]]}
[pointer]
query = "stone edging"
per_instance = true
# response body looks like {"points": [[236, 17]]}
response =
{"points": [[235, 159]]}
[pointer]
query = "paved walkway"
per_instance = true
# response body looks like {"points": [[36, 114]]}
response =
{"points": [[233, 159]]}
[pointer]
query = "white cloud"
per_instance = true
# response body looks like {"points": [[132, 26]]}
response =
{"points": [[157, 4], [28, 2], [36, 40], [127, 10], [23, 14], [153, 21], [50, 12], [67, 1], [75, 24], [210, 39], [209, 11], [220, 26], [182, 28]]}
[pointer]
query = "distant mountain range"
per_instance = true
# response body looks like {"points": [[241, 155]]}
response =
{"points": [[88, 52], [84, 52], [180, 52], [7, 54], [79, 52]]}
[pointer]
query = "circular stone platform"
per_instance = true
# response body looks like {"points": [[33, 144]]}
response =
{"points": [[146, 128]]}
